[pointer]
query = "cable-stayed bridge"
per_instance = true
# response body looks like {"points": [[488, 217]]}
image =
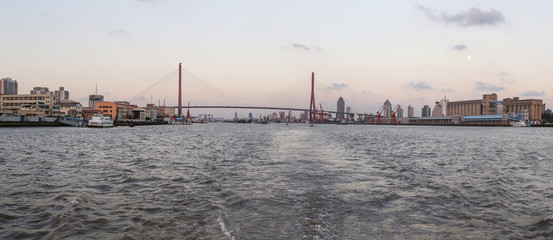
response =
{"points": [[315, 113]]}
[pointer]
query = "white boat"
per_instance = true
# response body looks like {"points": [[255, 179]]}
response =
{"points": [[519, 124], [99, 121]]}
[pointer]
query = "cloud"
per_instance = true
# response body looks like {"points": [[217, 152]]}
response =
{"points": [[471, 17], [368, 92], [338, 86], [304, 47], [419, 85], [301, 46], [459, 47], [141, 98], [533, 94], [503, 80], [417, 99], [447, 90], [482, 86], [117, 33]]}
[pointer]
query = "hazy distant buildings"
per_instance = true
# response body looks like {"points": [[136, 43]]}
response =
{"points": [[163, 111], [410, 111], [426, 111], [61, 95], [8, 86], [341, 105], [93, 99], [40, 90], [399, 112], [437, 111], [348, 112]]}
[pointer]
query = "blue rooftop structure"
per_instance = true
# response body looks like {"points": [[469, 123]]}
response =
{"points": [[430, 118], [484, 118]]}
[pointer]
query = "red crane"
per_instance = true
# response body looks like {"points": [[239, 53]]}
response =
{"points": [[394, 114], [379, 114], [188, 118], [323, 115]]}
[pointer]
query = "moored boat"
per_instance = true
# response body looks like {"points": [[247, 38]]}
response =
{"points": [[99, 121], [74, 122], [519, 124]]}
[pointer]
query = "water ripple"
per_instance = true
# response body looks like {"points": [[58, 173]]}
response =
{"points": [[244, 181]]}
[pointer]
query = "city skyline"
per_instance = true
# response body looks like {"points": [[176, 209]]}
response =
{"points": [[412, 53]]}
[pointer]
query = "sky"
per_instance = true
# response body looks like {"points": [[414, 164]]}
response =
{"points": [[262, 53]]}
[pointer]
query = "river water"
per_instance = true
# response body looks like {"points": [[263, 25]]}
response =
{"points": [[276, 181]]}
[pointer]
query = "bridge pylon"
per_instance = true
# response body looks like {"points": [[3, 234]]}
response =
{"points": [[312, 106], [180, 90]]}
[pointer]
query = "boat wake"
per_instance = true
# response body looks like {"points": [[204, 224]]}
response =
{"points": [[224, 228]]}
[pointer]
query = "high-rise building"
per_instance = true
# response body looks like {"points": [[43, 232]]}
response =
{"points": [[443, 103], [388, 111], [426, 111], [340, 109], [399, 113], [93, 99], [40, 90], [437, 111], [8, 86], [61, 95], [410, 111], [348, 112]]}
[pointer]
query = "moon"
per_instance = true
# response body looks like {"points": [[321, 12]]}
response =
{"points": [[468, 58]]}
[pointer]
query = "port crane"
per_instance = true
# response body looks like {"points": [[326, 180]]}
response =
{"points": [[394, 114], [379, 113], [323, 116]]}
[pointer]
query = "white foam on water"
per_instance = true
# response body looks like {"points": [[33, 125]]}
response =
{"points": [[224, 228]]}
